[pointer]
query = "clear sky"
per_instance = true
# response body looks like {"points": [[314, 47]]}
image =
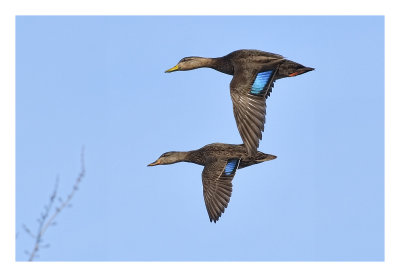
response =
{"points": [[100, 82]]}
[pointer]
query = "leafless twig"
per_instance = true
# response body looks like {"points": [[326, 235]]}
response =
{"points": [[47, 218]]}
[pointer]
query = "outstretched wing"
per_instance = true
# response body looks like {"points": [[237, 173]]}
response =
{"points": [[217, 179], [249, 91]]}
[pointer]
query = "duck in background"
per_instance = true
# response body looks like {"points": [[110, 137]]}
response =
{"points": [[254, 73]]}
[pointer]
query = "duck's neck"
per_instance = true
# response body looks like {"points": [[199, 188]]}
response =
{"points": [[195, 156], [192, 157], [179, 156], [219, 64]]}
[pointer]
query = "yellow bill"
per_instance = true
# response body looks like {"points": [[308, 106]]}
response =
{"points": [[155, 163], [175, 68]]}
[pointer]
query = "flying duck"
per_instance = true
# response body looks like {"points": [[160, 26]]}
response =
{"points": [[220, 163], [254, 73]]}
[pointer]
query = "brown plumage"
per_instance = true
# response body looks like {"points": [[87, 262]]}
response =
{"points": [[254, 73], [220, 163]]}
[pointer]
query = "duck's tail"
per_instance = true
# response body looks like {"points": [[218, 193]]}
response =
{"points": [[291, 69], [262, 157], [259, 158]]}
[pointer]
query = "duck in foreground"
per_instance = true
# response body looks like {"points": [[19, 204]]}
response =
{"points": [[254, 73], [220, 163]]}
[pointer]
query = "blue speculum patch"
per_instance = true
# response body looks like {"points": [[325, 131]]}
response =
{"points": [[261, 81], [231, 166]]}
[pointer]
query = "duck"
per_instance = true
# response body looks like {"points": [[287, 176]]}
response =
{"points": [[254, 73], [220, 161]]}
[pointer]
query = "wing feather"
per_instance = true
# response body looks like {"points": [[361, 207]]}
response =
{"points": [[217, 186], [249, 108]]}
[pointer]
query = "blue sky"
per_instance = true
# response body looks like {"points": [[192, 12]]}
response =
{"points": [[99, 82]]}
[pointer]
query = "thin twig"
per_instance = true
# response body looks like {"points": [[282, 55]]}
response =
{"points": [[45, 221]]}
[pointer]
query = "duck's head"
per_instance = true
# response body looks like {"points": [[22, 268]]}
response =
{"points": [[169, 158], [188, 63]]}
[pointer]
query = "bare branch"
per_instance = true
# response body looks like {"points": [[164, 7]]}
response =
{"points": [[28, 231], [46, 218]]}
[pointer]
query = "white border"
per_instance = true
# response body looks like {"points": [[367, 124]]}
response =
{"points": [[116, 7]]}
